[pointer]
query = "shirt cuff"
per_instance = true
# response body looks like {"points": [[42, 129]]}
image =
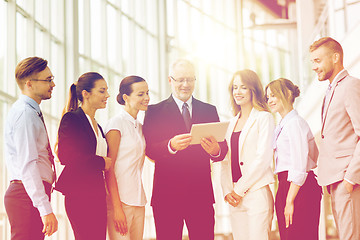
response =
{"points": [[170, 150], [45, 209], [240, 190], [351, 182], [216, 155], [297, 177]]}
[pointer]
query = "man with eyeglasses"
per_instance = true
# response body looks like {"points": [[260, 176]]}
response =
{"points": [[182, 190], [29, 158]]}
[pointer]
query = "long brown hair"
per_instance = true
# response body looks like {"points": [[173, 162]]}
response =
{"points": [[126, 87], [85, 82], [252, 81]]}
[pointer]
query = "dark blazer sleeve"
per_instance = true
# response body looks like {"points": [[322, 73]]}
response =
{"points": [[74, 146]]}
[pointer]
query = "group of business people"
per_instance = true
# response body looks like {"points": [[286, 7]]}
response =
{"points": [[102, 181], [254, 144]]}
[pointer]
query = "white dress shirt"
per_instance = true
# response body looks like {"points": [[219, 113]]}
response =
{"points": [[130, 158], [27, 157], [295, 149], [180, 104], [101, 144]]}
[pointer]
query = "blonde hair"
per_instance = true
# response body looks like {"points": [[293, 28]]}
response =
{"points": [[330, 44], [252, 81], [283, 89]]}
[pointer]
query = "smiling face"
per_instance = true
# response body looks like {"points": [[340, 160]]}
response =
{"points": [[41, 90], [97, 97], [275, 104], [139, 97], [241, 93], [323, 63], [182, 81]]}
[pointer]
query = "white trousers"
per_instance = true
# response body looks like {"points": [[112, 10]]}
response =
{"points": [[251, 219], [135, 217]]}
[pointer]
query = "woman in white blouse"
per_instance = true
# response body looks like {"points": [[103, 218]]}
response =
{"points": [[126, 206], [246, 171], [298, 197]]}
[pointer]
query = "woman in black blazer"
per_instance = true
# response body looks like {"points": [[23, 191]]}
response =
{"points": [[82, 149]]}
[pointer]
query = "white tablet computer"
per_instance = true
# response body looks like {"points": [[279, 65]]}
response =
{"points": [[215, 129]]}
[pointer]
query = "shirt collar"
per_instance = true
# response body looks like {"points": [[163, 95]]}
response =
{"points": [[180, 103], [128, 117], [337, 77], [31, 102], [287, 117]]}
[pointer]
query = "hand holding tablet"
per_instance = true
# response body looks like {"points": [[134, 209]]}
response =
{"points": [[205, 130]]}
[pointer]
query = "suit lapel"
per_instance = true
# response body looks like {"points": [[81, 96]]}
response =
{"points": [[86, 124], [196, 111], [173, 110], [341, 77], [249, 123]]}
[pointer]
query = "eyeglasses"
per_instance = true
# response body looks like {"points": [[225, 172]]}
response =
{"points": [[183, 80], [49, 80]]}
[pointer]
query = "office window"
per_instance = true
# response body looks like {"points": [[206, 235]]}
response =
{"points": [[96, 30], [353, 16], [140, 13], [57, 19], [22, 29], [82, 19], [151, 15], [121, 37], [126, 38], [140, 51], [113, 39], [42, 13], [2, 39], [339, 23]]}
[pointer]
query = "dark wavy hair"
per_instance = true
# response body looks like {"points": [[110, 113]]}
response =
{"points": [[85, 82], [126, 87]]}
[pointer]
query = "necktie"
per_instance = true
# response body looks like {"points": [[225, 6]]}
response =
{"points": [[51, 156], [186, 116]]}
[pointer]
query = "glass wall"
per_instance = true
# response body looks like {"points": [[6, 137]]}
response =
{"points": [[142, 37]]}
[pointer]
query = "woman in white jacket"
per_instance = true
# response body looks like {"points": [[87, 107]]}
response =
{"points": [[247, 168]]}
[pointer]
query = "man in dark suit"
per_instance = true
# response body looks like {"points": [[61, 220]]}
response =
{"points": [[182, 188]]}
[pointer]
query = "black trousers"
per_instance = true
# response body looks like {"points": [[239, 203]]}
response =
{"points": [[24, 218], [87, 215], [306, 215], [169, 221]]}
